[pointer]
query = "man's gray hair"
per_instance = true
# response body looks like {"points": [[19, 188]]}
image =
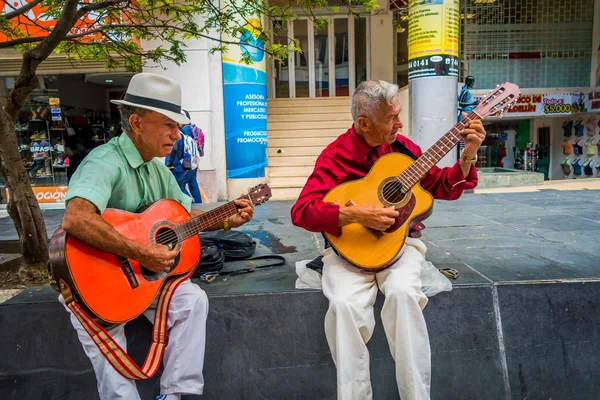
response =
{"points": [[126, 112], [369, 96]]}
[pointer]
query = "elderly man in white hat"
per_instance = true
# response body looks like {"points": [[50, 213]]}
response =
{"points": [[124, 174]]}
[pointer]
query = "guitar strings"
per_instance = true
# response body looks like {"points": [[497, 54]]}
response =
{"points": [[186, 230], [408, 178]]}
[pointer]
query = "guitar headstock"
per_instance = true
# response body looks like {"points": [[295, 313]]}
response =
{"points": [[259, 194], [498, 100]]}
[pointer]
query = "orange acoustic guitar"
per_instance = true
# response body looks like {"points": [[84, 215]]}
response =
{"points": [[117, 289], [393, 181]]}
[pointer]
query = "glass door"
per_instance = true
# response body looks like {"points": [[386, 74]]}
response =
{"points": [[330, 63]]}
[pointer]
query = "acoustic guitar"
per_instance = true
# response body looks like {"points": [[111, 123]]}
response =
{"points": [[393, 181], [117, 289]]}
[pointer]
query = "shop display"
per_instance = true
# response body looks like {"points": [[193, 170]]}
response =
{"points": [[566, 167], [577, 149], [527, 160], [576, 165], [568, 128], [590, 149], [588, 169], [567, 148], [578, 126]]}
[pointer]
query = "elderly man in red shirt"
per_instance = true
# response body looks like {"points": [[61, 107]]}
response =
{"points": [[351, 292]]}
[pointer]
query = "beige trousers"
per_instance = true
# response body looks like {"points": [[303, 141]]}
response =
{"points": [[350, 321]]}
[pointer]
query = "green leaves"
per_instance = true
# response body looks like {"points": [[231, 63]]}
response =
{"points": [[106, 29]]}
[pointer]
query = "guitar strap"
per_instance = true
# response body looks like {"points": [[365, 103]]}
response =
{"points": [[114, 354], [400, 148]]}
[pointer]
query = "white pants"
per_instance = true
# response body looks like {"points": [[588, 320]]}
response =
{"points": [[350, 321], [183, 357]]}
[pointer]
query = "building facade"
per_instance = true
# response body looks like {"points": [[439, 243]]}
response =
{"points": [[550, 48]]}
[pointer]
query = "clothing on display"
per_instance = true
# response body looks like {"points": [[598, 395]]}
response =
{"points": [[588, 168], [590, 149], [577, 149], [567, 148], [568, 128], [578, 128], [566, 166], [590, 128], [576, 167]]}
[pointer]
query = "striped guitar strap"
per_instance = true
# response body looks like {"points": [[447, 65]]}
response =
{"points": [[114, 354]]}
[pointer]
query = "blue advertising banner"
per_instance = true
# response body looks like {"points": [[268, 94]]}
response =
{"points": [[245, 106]]}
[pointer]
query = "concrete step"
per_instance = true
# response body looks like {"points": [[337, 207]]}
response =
{"points": [[342, 126], [324, 109], [294, 151], [284, 172], [309, 102], [287, 182], [292, 161], [306, 133], [297, 117], [286, 193], [300, 142]]}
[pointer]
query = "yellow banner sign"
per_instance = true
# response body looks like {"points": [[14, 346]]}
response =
{"points": [[433, 34]]}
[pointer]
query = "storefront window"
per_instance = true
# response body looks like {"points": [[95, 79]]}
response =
{"points": [[63, 119], [401, 46], [533, 44]]}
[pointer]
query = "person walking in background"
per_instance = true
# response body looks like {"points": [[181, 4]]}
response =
{"points": [[184, 159]]}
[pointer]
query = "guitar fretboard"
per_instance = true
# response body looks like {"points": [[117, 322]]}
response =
{"points": [[203, 222], [421, 166]]}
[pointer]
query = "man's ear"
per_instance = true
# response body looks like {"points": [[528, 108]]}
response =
{"points": [[135, 121], [364, 123]]}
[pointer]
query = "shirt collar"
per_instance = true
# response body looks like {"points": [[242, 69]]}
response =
{"points": [[362, 146], [130, 151]]}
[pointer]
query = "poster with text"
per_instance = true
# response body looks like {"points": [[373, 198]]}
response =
{"points": [[433, 33], [245, 104]]}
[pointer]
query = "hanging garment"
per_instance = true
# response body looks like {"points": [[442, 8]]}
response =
{"points": [[577, 149], [567, 128], [588, 169], [567, 148], [576, 167]]}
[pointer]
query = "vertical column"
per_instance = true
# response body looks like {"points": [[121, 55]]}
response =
{"points": [[595, 70], [202, 96], [433, 32], [381, 29], [245, 106]]}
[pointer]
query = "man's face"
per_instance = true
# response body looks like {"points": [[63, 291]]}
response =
{"points": [[382, 129], [157, 134]]}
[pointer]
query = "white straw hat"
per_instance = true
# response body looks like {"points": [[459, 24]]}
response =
{"points": [[156, 93]]}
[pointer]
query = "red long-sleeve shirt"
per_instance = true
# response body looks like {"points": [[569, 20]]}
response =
{"points": [[349, 158]]}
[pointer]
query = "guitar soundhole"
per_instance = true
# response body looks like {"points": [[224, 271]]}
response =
{"points": [[392, 191], [167, 237]]}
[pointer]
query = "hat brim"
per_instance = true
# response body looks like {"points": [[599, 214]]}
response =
{"points": [[179, 118]]}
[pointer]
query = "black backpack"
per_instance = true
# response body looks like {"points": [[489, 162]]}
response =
{"points": [[221, 246]]}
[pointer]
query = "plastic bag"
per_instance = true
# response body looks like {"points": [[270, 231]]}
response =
{"points": [[433, 281]]}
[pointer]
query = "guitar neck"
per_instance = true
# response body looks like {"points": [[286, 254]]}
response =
{"points": [[413, 174], [204, 221]]}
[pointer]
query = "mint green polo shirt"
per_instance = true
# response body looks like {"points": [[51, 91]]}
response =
{"points": [[115, 176]]}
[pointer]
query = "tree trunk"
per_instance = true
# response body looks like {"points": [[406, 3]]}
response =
{"points": [[22, 207]]}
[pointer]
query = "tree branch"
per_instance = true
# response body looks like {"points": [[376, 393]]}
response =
{"points": [[97, 6], [27, 80], [22, 10]]}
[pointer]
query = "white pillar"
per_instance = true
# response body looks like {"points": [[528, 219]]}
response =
{"points": [[202, 96], [595, 61], [381, 59], [433, 96]]}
